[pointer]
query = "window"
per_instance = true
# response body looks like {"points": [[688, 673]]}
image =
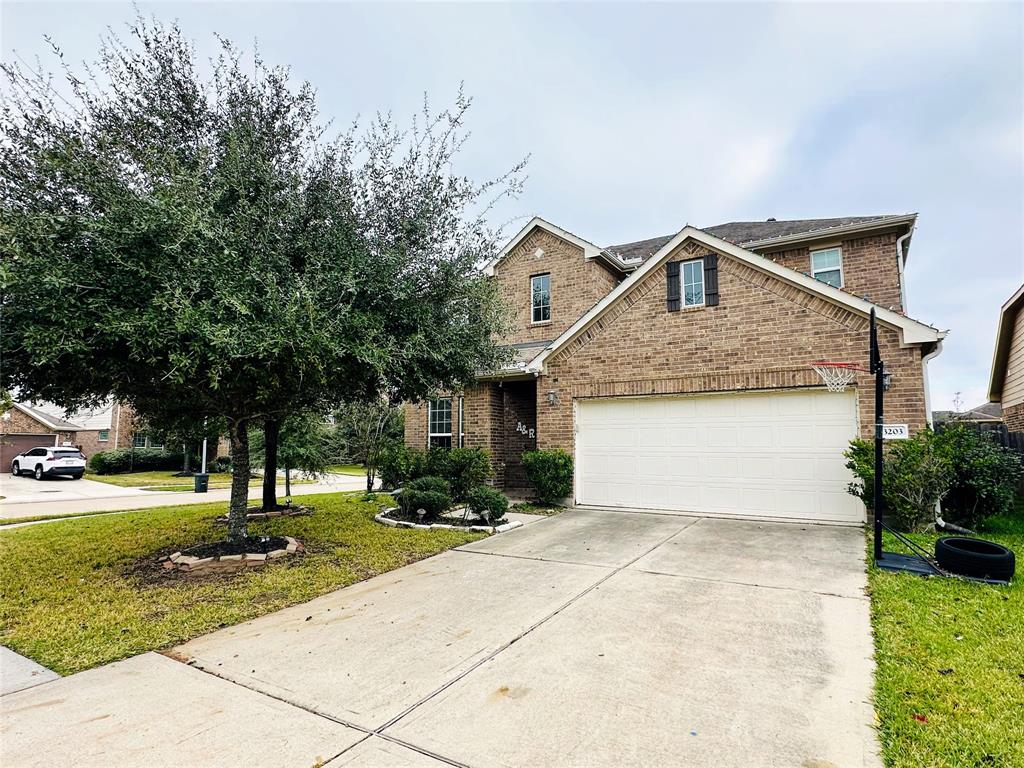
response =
{"points": [[104, 435], [138, 440], [439, 423], [462, 422], [827, 266], [540, 292], [692, 277]]}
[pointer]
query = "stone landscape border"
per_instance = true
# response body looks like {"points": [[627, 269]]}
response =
{"points": [[227, 563], [299, 511], [383, 519]]}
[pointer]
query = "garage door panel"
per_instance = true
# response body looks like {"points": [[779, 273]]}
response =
{"points": [[767, 454]]}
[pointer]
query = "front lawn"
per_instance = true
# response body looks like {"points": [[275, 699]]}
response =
{"points": [[949, 689], [347, 469], [166, 481], [78, 593]]}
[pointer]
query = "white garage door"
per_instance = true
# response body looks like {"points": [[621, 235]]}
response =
{"points": [[766, 454]]}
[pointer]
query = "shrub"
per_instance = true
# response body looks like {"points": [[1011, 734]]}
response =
{"points": [[220, 464], [432, 494], [916, 478], [124, 460], [465, 469], [550, 472], [985, 476], [397, 464], [489, 503]]}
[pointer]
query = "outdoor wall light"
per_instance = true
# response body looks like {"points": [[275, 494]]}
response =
{"points": [[552, 397], [886, 380]]}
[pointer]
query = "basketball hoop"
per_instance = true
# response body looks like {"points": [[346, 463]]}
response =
{"points": [[837, 376]]}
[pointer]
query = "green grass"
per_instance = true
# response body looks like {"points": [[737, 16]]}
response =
{"points": [[949, 689], [529, 508], [56, 516], [165, 480], [73, 594], [347, 469]]}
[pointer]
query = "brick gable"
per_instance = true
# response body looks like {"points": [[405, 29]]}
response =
{"points": [[763, 334]]}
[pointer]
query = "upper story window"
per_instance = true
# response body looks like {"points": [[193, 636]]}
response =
{"points": [[439, 423], [540, 298], [692, 278], [827, 266]]}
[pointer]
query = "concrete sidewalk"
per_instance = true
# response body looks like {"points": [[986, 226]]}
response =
{"points": [[148, 499], [597, 639]]}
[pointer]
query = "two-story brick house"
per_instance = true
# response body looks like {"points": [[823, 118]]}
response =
{"points": [[677, 370]]}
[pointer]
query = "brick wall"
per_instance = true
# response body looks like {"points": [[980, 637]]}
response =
{"points": [[1014, 417], [869, 267], [576, 285], [763, 334], [18, 423]]}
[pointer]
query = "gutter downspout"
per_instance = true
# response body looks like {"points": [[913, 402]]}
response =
{"points": [[927, 389], [901, 263]]}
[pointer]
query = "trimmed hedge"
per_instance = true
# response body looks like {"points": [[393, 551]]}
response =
{"points": [[489, 503], [463, 468], [431, 494], [124, 460], [550, 472]]}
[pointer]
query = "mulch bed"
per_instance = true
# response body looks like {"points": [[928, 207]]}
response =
{"points": [[255, 544]]}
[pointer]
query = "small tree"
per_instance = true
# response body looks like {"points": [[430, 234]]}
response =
{"points": [[984, 475], [201, 241], [363, 429], [303, 444]]}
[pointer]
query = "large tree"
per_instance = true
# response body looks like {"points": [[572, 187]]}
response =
{"points": [[169, 237]]}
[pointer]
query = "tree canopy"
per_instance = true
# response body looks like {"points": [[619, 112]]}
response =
{"points": [[197, 242]]}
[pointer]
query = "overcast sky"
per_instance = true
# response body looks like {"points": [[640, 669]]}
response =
{"points": [[639, 119]]}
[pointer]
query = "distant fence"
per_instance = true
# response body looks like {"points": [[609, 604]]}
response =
{"points": [[998, 432]]}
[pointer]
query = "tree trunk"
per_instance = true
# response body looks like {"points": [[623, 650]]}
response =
{"points": [[184, 449], [271, 434], [288, 483], [238, 431]]}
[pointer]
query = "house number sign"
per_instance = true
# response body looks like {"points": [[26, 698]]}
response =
{"points": [[895, 432], [522, 429]]}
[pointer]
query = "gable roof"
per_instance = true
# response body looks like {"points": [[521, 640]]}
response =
{"points": [[911, 331], [57, 425], [755, 234], [590, 251], [1004, 334], [100, 417]]}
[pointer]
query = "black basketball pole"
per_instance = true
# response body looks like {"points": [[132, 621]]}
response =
{"points": [[878, 369]]}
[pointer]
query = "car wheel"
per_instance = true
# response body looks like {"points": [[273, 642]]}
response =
{"points": [[77, 476], [15, 469], [38, 474]]}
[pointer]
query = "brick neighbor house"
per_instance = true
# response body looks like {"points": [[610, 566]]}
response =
{"points": [[1006, 385], [677, 370], [28, 426]]}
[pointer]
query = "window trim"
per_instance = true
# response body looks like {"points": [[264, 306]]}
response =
{"points": [[462, 421], [682, 284], [534, 307], [430, 412], [842, 274], [100, 436]]}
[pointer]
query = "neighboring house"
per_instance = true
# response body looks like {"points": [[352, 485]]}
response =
{"points": [[101, 429], [988, 413], [24, 427], [1006, 385], [677, 370]]}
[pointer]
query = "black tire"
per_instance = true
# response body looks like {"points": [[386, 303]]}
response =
{"points": [[77, 476], [38, 474], [975, 557], [15, 469]]}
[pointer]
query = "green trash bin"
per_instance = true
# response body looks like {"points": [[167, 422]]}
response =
{"points": [[202, 483]]}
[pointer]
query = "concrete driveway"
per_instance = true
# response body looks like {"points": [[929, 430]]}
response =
{"points": [[588, 639]]}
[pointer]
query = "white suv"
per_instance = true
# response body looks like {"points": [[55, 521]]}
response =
{"points": [[46, 462]]}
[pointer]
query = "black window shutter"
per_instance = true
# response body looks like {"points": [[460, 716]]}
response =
{"points": [[672, 300], [711, 280]]}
